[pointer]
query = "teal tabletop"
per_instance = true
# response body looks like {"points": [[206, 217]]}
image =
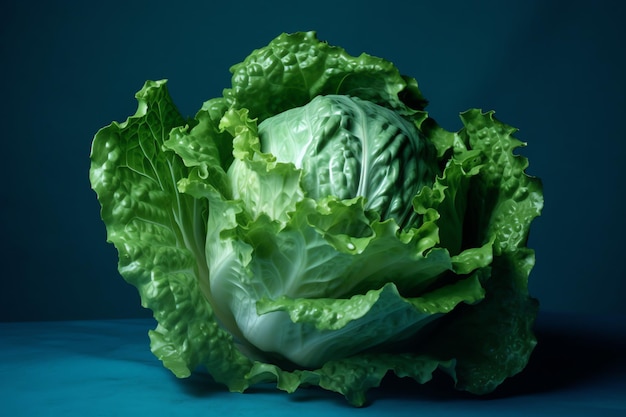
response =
{"points": [[105, 368]]}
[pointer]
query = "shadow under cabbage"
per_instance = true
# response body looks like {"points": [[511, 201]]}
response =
{"points": [[572, 350]]}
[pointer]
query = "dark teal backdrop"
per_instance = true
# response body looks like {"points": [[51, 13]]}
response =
{"points": [[553, 69]]}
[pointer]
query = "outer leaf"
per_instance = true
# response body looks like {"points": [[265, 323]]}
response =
{"points": [[493, 340], [294, 68], [353, 376], [504, 198], [159, 234]]}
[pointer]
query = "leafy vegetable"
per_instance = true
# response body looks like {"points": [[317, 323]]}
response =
{"points": [[316, 226]]}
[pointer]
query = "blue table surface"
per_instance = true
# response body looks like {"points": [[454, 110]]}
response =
{"points": [[105, 368]]}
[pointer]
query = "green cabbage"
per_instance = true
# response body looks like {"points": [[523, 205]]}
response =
{"points": [[315, 226]]}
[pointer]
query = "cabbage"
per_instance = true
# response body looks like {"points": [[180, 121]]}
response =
{"points": [[315, 226]]}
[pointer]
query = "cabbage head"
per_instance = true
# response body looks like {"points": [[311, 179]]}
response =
{"points": [[315, 226]]}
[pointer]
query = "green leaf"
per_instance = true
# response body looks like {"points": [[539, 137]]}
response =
{"points": [[504, 199], [492, 340], [159, 234], [352, 377], [294, 68]]}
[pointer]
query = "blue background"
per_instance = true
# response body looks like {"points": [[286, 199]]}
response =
{"points": [[555, 70]]}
